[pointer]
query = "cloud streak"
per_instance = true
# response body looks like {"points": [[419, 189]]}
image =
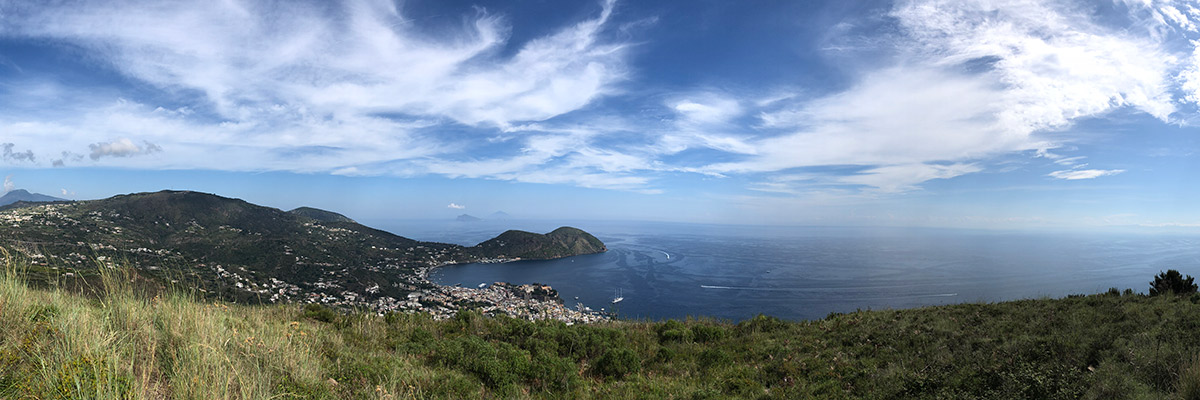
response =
{"points": [[1076, 174]]}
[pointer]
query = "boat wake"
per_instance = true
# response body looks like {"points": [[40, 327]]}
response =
{"points": [[802, 289], [813, 288]]}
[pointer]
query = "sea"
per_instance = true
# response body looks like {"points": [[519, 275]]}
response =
{"points": [[730, 272]]}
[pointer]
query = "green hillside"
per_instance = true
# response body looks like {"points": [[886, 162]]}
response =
{"points": [[235, 250], [321, 215], [561, 242], [124, 343]]}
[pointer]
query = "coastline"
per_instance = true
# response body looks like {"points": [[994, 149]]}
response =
{"points": [[497, 298]]}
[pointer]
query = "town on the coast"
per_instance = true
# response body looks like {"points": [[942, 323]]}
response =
{"points": [[410, 288]]}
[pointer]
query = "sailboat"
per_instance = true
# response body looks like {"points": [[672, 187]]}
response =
{"points": [[619, 298]]}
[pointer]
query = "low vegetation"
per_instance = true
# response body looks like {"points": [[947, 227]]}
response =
{"points": [[120, 342]]}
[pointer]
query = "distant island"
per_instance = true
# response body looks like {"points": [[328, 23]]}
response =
{"points": [[468, 218], [496, 216], [244, 252], [18, 195]]}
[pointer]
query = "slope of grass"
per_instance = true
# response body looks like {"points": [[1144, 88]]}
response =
{"points": [[123, 344]]}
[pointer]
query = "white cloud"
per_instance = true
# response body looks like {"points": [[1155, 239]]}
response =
{"points": [[1075, 174], [707, 109], [361, 90], [898, 178], [970, 80], [122, 147], [456, 206], [299, 87], [705, 120], [8, 184], [571, 155], [898, 116]]}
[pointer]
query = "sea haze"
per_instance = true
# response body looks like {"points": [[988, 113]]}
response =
{"points": [[735, 272]]}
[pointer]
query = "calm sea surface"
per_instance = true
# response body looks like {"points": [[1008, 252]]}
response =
{"points": [[735, 272]]}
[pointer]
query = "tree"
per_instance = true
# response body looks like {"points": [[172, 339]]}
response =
{"points": [[1171, 282], [618, 362]]}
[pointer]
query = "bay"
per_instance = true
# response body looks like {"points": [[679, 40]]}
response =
{"points": [[670, 270]]}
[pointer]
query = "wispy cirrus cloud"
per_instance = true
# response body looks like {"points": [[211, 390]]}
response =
{"points": [[1076, 174], [310, 86], [972, 80]]}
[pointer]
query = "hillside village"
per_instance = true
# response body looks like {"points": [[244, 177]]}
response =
{"points": [[335, 263]]}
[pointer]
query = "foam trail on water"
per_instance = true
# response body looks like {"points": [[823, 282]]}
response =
{"points": [[799, 289]]}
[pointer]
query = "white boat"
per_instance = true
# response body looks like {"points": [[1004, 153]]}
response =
{"points": [[482, 285], [619, 298]]}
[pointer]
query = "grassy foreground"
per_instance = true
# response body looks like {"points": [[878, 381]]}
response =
{"points": [[122, 344]]}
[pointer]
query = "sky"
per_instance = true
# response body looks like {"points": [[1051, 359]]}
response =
{"points": [[957, 113]]}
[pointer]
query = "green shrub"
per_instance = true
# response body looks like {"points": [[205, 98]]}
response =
{"points": [[741, 382], [553, 373], [319, 312], [713, 358], [420, 335], [1172, 282], [707, 333], [667, 326], [497, 365], [673, 331], [665, 355], [616, 363], [675, 335]]}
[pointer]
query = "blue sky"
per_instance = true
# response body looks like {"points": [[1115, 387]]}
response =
{"points": [[964, 113]]}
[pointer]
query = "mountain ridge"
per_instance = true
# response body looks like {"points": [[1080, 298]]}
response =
{"points": [[247, 252], [321, 215], [18, 195]]}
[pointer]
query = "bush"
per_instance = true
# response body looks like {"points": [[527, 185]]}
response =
{"points": [[319, 312], [714, 358], [1172, 282], [616, 363], [707, 334], [673, 331]]}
